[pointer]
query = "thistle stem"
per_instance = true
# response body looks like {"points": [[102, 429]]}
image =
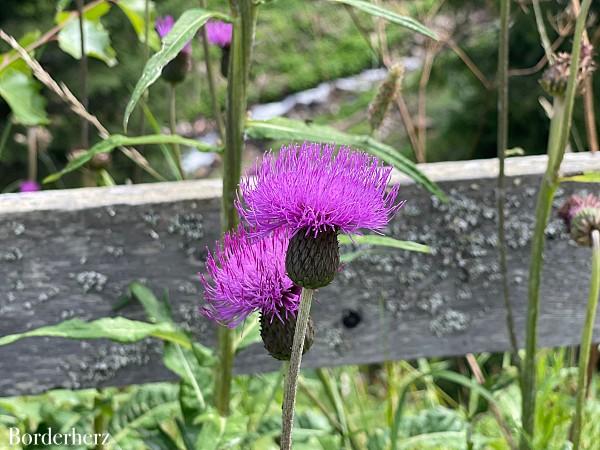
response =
{"points": [[291, 382], [586, 339], [83, 74], [557, 141], [173, 126], [502, 144], [244, 14]]}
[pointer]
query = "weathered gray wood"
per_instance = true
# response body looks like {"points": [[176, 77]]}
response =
{"points": [[72, 253]]}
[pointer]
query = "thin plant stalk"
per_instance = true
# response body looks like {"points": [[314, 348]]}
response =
{"points": [[32, 152], [291, 382], [502, 145], [212, 84], [137, 176], [244, 14], [557, 141], [539, 21], [588, 97], [586, 340], [173, 126], [332, 392], [84, 76]]}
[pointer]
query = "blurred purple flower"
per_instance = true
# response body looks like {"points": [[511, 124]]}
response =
{"points": [[575, 204], [29, 186], [247, 274], [164, 25], [314, 188], [219, 33]]}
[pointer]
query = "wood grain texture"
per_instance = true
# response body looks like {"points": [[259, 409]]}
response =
{"points": [[66, 254]]}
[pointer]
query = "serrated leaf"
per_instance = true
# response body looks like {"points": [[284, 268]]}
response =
{"points": [[383, 241], [22, 93], [403, 21], [297, 130], [135, 12], [117, 140], [97, 41], [586, 177], [118, 329], [183, 31]]}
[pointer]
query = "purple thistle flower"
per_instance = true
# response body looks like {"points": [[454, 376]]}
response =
{"points": [[313, 188], [219, 33], [247, 275], [164, 25], [29, 186], [574, 204]]}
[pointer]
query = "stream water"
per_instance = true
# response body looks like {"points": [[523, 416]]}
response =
{"points": [[194, 161]]}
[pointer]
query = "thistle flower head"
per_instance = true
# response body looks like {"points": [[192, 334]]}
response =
{"points": [[247, 274], [555, 77], [164, 25], [581, 215], [313, 188], [219, 33], [29, 186]]}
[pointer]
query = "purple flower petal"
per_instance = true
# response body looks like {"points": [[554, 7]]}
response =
{"points": [[247, 274], [313, 187], [219, 33], [29, 186], [164, 25]]}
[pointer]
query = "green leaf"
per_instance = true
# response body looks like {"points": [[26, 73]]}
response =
{"points": [[167, 154], [282, 128], [21, 92], [383, 241], [117, 329], [156, 310], [183, 31], [117, 140], [378, 11], [92, 14], [586, 177], [97, 41], [135, 12]]}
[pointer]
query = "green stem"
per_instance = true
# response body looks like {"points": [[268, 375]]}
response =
{"points": [[244, 14], [291, 382], [173, 126], [502, 145], [210, 76], [332, 392], [557, 141], [84, 76], [586, 339]]}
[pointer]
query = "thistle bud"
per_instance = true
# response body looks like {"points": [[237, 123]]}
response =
{"points": [[178, 68], [313, 260], [554, 79], [386, 94], [581, 216], [278, 336]]}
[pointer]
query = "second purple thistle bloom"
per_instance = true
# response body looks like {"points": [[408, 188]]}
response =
{"points": [[246, 275], [315, 191]]}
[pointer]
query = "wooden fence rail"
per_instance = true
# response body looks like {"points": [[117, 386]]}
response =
{"points": [[66, 254]]}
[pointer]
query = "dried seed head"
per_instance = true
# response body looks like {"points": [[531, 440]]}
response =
{"points": [[554, 79], [278, 335], [386, 94], [313, 260], [581, 216]]}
